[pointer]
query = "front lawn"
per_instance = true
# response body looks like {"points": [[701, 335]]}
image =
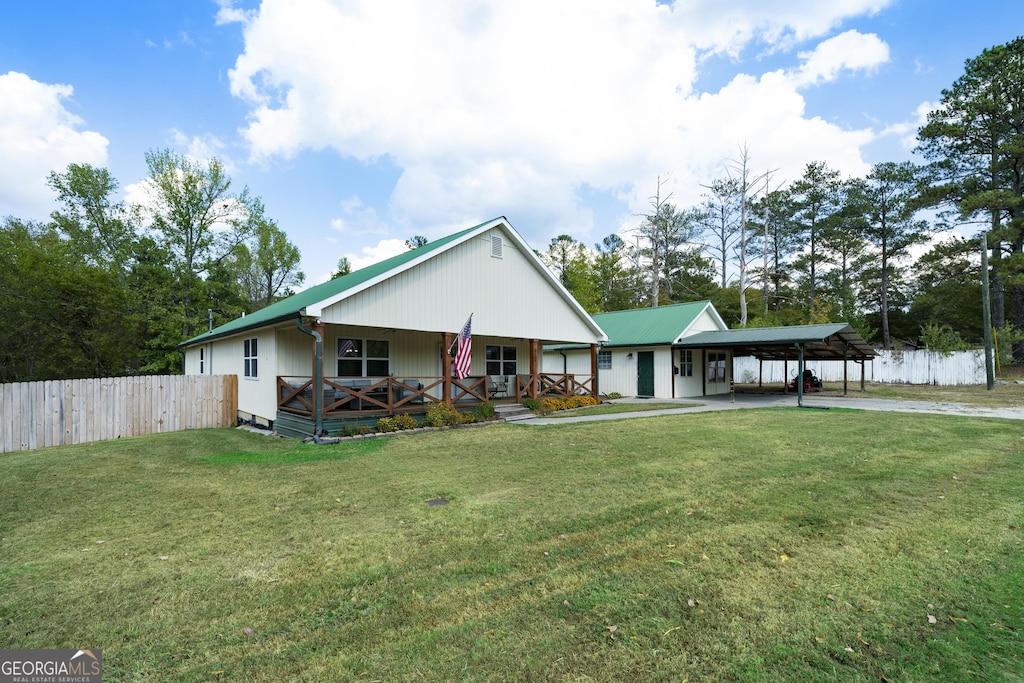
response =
{"points": [[614, 408], [774, 545]]}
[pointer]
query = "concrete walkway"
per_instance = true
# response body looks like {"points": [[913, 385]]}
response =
{"points": [[818, 401]]}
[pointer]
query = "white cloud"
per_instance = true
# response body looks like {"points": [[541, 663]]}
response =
{"points": [[39, 135], [227, 13], [498, 108], [850, 51], [358, 219], [374, 254], [771, 24], [203, 148], [366, 256], [906, 131]]}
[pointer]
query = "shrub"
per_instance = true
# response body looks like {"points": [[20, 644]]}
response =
{"points": [[354, 429], [397, 423], [485, 411], [406, 422], [549, 405], [1006, 339], [942, 338], [444, 415], [614, 395], [531, 404]]}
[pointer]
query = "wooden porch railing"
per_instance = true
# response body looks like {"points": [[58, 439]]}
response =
{"points": [[551, 385], [367, 396]]}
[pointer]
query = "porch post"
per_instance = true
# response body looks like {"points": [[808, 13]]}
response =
{"points": [[534, 367], [446, 365], [593, 370]]}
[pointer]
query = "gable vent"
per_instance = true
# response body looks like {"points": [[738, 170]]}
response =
{"points": [[496, 245]]}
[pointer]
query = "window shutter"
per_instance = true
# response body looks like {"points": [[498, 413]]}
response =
{"points": [[496, 245]]}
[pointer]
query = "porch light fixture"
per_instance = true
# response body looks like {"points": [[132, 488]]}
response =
{"points": [[629, 355]]}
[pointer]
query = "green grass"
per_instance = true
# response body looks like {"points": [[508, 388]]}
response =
{"points": [[775, 545], [1001, 396], [1008, 395], [615, 408]]}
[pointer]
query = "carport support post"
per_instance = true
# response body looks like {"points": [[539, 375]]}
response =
{"points": [[800, 376], [846, 348]]}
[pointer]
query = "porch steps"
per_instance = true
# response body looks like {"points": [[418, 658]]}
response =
{"points": [[512, 412]]}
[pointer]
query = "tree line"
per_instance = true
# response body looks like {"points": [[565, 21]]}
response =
{"points": [[109, 288], [105, 288], [827, 248]]}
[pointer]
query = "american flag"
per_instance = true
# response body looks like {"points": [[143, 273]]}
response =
{"points": [[462, 356]]}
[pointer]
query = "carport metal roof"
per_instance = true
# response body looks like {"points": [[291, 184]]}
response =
{"points": [[834, 341]]}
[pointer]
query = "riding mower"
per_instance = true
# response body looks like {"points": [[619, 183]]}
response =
{"points": [[811, 383]]}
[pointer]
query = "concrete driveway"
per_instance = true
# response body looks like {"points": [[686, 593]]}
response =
{"points": [[811, 401]]}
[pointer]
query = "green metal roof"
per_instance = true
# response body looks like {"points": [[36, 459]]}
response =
{"points": [[650, 326], [289, 308], [830, 341]]}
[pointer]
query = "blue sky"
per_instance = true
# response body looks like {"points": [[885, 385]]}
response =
{"points": [[362, 123]]}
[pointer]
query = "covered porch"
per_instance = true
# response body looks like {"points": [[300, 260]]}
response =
{"points": [[362, 374], [379, 396]]}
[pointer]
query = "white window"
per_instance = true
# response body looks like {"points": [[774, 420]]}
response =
{"points": [[250, 358], [364, 357], [501, 360], [604, 360], [686, 362]]}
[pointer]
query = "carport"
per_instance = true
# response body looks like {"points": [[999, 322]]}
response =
{"points": [[833, 341]]}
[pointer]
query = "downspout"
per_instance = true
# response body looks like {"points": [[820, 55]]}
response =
{"points": [[565, 362], [318, 378]]}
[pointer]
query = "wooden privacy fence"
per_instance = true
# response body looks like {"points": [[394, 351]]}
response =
{"points": [[889, 367], [70, 411]]}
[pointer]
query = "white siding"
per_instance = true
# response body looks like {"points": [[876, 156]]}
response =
{"points": [[575, 362], [192, 359], [507, 296], [295, 351], [256, 396], [704, 322], [687, 387], [622, 377]]}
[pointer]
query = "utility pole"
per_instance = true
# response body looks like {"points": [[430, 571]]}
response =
{"points": [[986, 315]]}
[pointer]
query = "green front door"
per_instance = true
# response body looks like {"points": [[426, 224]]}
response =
{"points": [[645, 373]]}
